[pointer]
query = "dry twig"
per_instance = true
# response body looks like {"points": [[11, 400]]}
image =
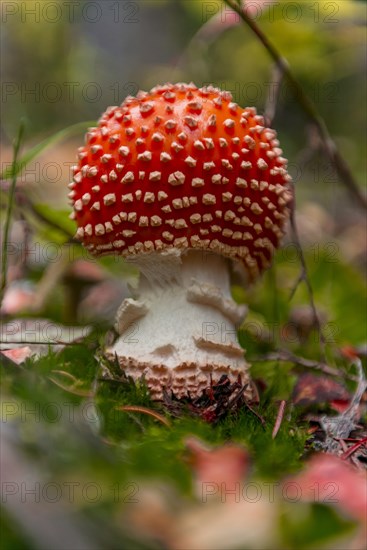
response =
{"points": [[288, 356], [279, 419], [303, 277], [354, 448], [340, 426]]}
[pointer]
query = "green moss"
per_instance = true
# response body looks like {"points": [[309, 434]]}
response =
{"points": [[307, 526], [12, 537]]}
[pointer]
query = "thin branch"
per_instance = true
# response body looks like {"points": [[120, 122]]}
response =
{"points": [[36, 343], [273, 95], [340, 427], [4, 256], [361, 388], [342, 168], [288, 356], [303, 277]]}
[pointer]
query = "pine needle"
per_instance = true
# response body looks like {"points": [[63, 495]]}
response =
{"points": [[145, 410]]}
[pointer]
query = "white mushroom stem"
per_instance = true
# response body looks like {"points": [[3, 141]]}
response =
{"points": [[179, 330]]}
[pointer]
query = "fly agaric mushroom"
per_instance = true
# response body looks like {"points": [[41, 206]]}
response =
{"points": [[181, 181]]}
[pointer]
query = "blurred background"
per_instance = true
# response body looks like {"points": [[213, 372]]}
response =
{"points": [[62, 64]]}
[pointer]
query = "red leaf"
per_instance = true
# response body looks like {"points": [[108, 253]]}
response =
{"points": [[311, 389], [328, 479], [18, 355], [226, 465]]}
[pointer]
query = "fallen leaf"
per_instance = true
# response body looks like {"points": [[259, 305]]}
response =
{"points": [[18, 355], [330, 480], [319, 390], [18, 297], [213, 469]]}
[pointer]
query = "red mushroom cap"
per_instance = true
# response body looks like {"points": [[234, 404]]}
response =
{"points": [[182, 167]]}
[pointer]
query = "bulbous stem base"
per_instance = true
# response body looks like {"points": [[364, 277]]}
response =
{"points": [[179, 331]]}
